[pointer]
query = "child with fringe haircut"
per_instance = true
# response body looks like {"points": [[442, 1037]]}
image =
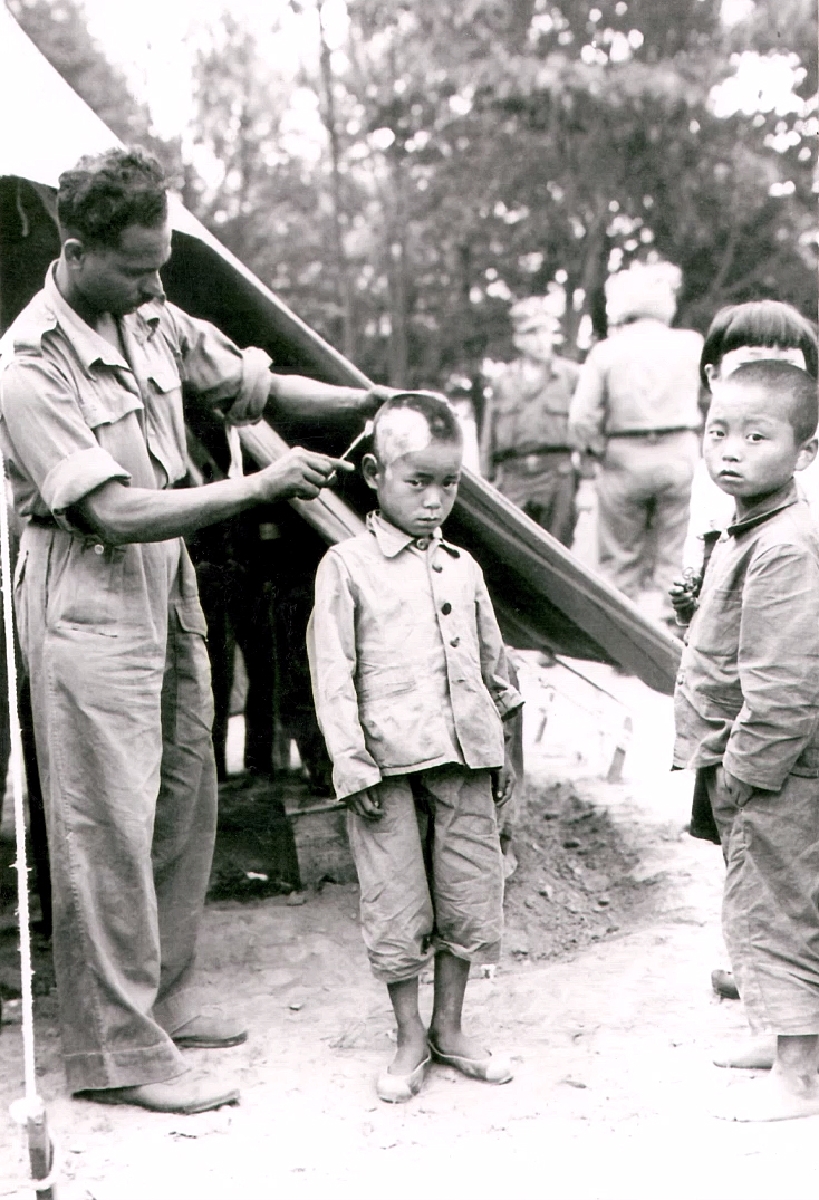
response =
{"points": [[747, 718]]}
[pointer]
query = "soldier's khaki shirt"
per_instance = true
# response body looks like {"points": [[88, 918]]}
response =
{"points": [[528, 410], [643, 377], [76, 413]]}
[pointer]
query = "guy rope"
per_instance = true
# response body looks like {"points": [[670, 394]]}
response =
{"points": [[29, 1111]]}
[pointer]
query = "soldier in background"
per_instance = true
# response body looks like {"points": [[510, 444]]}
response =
{"points": [[636, 410], [525, 448]]}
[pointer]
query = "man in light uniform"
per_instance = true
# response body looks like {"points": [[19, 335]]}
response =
{"points": [[636, 410], [110, 623], [525, 447]]}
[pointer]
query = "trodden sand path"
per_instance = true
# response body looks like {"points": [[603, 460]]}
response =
{"points": [[612, 1047]]}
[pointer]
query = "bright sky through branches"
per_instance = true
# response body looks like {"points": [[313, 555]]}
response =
{"points": [[154, 41]]}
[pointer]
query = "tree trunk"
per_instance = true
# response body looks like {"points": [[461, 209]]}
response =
{"points": [[344, 282], [398, 278]]}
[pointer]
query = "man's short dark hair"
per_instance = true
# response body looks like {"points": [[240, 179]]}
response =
{"points": [[436, 410], [759, 323], [105, 193], [796, 388]]}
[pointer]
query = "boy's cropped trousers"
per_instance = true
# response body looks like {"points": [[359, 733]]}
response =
{"points": [[114, 642], [770, 910], [430, 871]]}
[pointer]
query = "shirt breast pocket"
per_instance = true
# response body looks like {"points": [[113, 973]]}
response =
{"points": [[165, 418], [717, 627], [164, 378], [107, 397]]}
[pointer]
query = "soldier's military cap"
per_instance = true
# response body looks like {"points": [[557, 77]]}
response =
{"points": [[535, 312]]}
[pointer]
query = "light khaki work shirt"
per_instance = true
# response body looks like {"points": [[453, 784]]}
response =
{"points": [[76, 413], [406, 658]]}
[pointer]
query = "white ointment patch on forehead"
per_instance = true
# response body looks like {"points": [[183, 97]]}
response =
{"points": [[401, 431], [747, 354]]}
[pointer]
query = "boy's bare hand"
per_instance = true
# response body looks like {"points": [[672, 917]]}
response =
{"points": [[299, 473], [503, 784], [737, 791], [366, 804], [683, 595]]}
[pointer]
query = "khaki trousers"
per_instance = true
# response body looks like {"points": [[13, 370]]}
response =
{"points": [[122, 712], [547, 494], [644, 493]]}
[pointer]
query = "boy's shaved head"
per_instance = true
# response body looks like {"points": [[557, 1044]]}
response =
{"points": [[792, 388], [409, 421]]}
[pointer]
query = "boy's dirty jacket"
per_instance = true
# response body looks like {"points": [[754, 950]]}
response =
{"points": [[747, 692], [406, 658]]}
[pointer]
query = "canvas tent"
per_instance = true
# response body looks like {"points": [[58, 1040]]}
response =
{"points": [[545, 599]]}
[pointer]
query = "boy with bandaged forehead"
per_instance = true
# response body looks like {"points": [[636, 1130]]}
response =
{"points": [[411, 691]]}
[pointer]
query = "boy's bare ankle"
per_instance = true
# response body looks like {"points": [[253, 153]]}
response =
{"points": [[451, 1039], [412, 1049], [797, 1062]]}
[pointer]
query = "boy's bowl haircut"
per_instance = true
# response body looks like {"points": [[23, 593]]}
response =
{"points": [[759, 323]]}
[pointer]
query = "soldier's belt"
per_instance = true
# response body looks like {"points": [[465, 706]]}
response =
{"points": [[510, 455], [650, 435]]}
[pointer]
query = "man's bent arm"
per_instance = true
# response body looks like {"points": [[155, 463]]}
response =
{"points": [[215, 370], [119, 514], [299, 398]]}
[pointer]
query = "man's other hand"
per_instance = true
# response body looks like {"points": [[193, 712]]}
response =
{"points": [[375, 396]]}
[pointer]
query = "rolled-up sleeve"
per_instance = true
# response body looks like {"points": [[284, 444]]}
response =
{"points": [[588, 407], [214, 368], [507, 699], [778, 667], [51, 441], [331, 650]]}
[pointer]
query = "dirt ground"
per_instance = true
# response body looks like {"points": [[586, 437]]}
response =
{"points": [[602, 998]]}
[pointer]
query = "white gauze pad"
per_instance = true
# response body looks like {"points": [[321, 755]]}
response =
{"points": [[401, 431]]}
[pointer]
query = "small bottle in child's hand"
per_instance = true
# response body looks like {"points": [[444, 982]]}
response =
{"points": [[683, 593]]}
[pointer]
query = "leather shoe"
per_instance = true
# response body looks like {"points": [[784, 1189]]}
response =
{"points": [[492, 1069], [209, 1031], [396, 1089], [183, 1094], [724, 986]]}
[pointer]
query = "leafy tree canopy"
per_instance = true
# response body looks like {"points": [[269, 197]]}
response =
{"points": [[468, 152]]}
